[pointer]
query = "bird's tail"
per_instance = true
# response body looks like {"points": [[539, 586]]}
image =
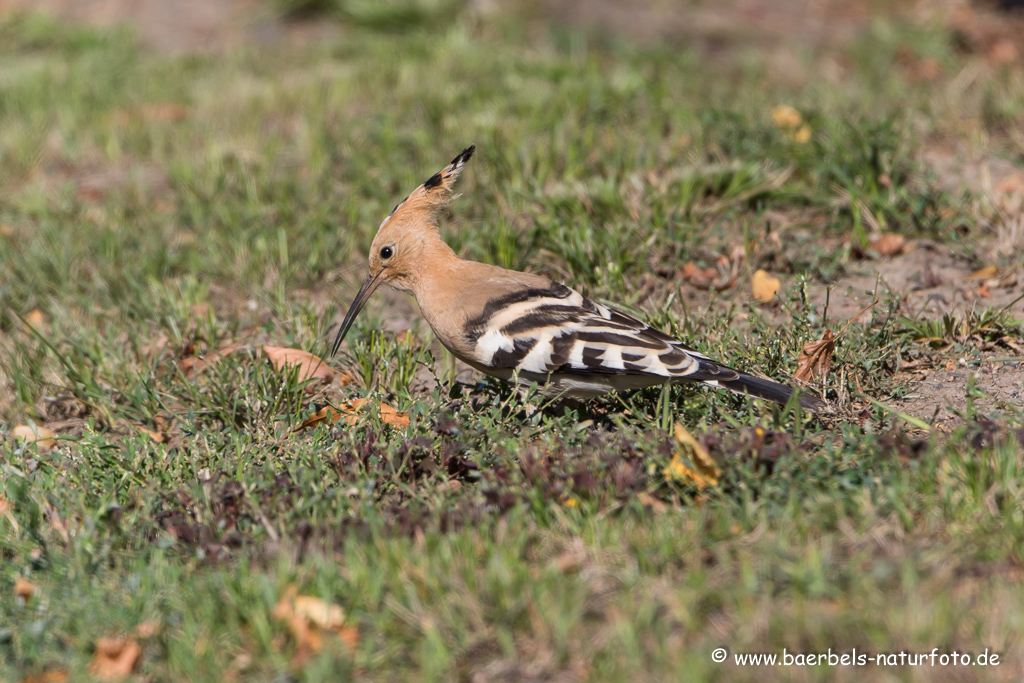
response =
{"points": [[773, 391], [716, 375]]}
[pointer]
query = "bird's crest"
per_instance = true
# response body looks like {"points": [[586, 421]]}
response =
{"points": [[430, 197]]}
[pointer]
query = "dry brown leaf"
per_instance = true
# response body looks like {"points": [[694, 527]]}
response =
{"points": [[310, 366], [154, 436], [764, 286], [392, 417], [719, 278], [43, 438], [888, 244], [24, 589], [194, 364], [308, 618], [704, 473], [984, 273], [350, 413], [816, 359], [649, 501], [326, 414], [35, 318], [115, 658], [59, 675]]}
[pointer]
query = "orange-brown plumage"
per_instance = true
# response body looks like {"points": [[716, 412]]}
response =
{"points": [[524, 327]]}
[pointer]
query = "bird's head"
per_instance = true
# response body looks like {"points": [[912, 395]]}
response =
{"points": [[403, 239]]}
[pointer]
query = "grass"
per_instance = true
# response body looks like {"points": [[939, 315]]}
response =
{"points": [[157, 208]]}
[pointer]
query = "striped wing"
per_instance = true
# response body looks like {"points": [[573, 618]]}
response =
{"points": [[558, 330]]}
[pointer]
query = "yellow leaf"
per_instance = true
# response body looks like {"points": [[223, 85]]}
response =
{"points": [[350, 413], [308, 618], [764, 286], [325, 615], [43, 438], [705, 472], [984, 273], [154, 436], [786, 118]]}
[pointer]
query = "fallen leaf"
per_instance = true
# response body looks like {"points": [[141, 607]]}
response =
{"points": [[43, 438], [984, 273], [308, 618], [35, 318], [786, 117], [194, 364], [392, 417], [114, 658], [59, 675], [791, 123], [983, 291], [350, 413], [816, 359], [801, 134], [326, 414], [720, 278], [705, 472], [764, 286], [888, 244], [310, 366], [154, 436], [24, 589], [649, 501]]}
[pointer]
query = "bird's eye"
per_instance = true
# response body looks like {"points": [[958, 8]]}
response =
{"points": [[386, 252]]}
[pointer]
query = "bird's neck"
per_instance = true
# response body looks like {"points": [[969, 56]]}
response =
{"points": [[435, 264]]}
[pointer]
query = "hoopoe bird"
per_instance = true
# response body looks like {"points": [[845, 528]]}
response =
{"points": [[526, 328]]}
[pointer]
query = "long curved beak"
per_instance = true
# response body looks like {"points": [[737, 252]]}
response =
{"points": [[369, 285]]}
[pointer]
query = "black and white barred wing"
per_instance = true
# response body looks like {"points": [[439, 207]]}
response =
{"points": [[557, 330]]}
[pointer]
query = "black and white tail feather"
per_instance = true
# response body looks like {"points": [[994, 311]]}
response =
{"points": [[578, 348]]}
